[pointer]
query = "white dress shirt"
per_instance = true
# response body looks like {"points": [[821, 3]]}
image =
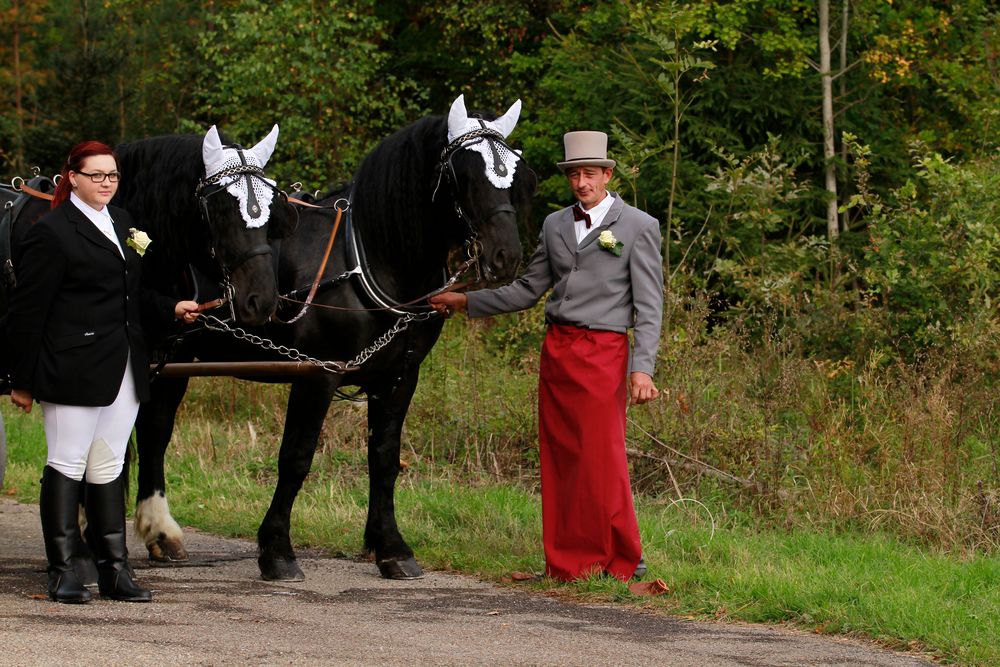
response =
{"points": [[596, 217]]}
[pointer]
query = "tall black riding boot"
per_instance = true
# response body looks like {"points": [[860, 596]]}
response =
{"points": [[57, 507], [106, 523]]}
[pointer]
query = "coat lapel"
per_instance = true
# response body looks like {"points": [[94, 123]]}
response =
{"points": [[89, 230], [567, 230], [121, 228]]}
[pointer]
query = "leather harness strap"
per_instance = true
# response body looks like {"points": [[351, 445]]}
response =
{"points": [[34, 193], [326, 256]]}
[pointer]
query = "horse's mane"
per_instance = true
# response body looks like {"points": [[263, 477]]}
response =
{"points": [[391, 200], [160, 176]]}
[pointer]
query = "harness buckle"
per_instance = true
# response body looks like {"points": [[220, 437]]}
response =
{"points": [[230, 297]]}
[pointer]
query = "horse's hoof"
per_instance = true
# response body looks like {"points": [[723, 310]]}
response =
{"points": [[280, 569], [400, 569], [167, 551]]}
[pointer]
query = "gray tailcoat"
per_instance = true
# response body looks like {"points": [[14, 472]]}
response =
{"points": [[591, 287]]}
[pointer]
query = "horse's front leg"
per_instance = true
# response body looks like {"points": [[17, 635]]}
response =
{"points": [[154, 426], [308, 403], [386, 412]]}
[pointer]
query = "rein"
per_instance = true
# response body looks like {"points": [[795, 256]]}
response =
{"points": [[449, 285]]}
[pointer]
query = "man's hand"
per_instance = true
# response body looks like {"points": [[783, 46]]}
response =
{"points": [[22, 399], [186, 311], [640, 388], [449, 302]]}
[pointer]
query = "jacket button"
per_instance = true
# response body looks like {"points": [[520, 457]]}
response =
{"points": [[569, 298], [576, 268]]}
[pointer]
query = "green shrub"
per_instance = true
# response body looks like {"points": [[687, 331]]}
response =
{"points": [[932, 264]]}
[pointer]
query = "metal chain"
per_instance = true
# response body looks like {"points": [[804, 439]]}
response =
{"points": [[402, 324], [215, 324], [335, 367]]}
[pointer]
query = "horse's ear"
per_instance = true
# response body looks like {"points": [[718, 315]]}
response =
{"points": [[211, 148], [505, 123], [457, 118], [265, 148]]}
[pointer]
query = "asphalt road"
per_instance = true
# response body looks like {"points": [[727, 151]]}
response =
{"points": [[217, 611]]}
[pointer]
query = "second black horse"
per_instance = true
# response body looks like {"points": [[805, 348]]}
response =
{"points": [[423, 194]]}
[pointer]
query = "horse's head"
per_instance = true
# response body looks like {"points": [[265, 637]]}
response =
{"points": [[243, 209], [492, 185]]}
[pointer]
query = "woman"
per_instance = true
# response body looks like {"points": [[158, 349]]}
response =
{"points": [[75, 323]]}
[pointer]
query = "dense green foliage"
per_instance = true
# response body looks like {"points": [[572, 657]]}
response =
{"points": [[860, 358], [713, 108]]}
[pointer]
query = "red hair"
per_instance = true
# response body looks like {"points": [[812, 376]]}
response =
{"points": [[74, 162]]}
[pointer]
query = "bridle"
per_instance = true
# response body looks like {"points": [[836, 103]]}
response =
{"points": [[446, 172], [473, 248], [210, 186]]}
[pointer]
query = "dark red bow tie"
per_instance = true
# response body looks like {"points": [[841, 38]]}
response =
{"points": [[580, 214]]}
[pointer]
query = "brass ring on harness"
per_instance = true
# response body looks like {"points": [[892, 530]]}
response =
{"points": [[13, 183], [347, 204], [474, 248]]}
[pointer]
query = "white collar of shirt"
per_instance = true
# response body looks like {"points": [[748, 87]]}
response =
{"points": [[101, 219], [596, 218]]}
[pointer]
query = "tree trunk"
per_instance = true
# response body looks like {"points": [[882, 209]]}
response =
{"points": [[18, 162], [832, 220], [845, 222], [678, 110]]}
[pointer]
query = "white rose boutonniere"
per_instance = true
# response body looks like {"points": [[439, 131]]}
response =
{"points": [[138, 240], [608, 241]]}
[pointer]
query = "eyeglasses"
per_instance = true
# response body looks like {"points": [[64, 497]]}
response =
{"points": [[98, 177]]}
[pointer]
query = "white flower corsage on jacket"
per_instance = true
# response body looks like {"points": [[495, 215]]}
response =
{"points": [[138, 240], [608, 241]]}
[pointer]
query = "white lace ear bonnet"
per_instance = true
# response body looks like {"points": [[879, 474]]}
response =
{"points": [[241, 173]]}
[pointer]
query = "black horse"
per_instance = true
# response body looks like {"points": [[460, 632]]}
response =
{"points": [[190, 195], [422, 194]]}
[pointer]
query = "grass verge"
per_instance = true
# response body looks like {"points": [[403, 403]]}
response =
{"points": [[717, 564]]}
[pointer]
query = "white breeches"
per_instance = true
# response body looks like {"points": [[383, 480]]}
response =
{"points": [[91, 440]]}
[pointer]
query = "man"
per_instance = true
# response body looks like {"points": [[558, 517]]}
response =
{"points": [[601, 258]]}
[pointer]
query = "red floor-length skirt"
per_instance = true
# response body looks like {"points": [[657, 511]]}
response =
{"points": [[588, 520]]}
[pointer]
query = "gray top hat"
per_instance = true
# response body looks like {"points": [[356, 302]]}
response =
{"points": [[586, 149]]}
